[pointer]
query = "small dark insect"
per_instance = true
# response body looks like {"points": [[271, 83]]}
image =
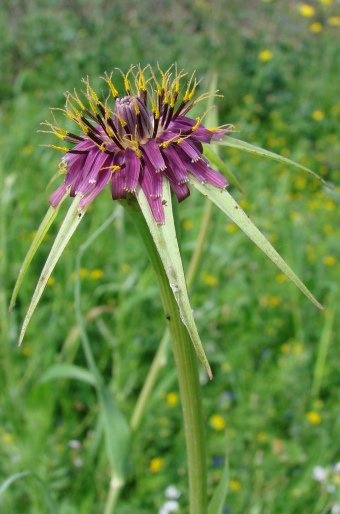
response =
{"points": [[168, 317]]}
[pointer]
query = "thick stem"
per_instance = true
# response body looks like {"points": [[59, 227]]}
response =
{"points": [[187, 371]]}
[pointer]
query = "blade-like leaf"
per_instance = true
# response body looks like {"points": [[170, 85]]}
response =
{"points": [[67, 229], [117, 435], [217, 161], [39, 236], [59, 371], [230, 207], [217, 501], [166, 243], [47, 496], [247, 147], [12, 479]]}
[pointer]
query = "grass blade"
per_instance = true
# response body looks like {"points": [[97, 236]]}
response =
{"points": [[217, 501], [59, 371]]}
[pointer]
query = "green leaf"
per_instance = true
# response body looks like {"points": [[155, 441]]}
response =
{"points": [[67, 229], [117, 435], [217, 161], [166, 243], [38, 238], [16, 476], [247, 147], [230, 207], [59, 371], [217, 501]]}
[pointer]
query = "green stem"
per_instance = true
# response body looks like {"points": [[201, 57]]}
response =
{"points": [[161, 355], [187, 371]]}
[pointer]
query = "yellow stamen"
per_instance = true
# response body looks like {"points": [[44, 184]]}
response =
{"points": [[60, 148], [108, 80]]}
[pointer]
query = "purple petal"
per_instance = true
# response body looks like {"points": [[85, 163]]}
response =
{"points": [[202, 134], [174, 161], [190, 150], [90, 172], [118, 182], [58, 195], [217, 134], [133, 165], [75, 169], [204, 173], [97, 166], [103, 178], [181, 190], [151, 150], [155, 203]]}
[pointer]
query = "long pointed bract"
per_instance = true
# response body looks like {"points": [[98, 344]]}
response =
{"points": [[164, 236], [67, 229], [38, 238], [247, 147], [230, 207]]}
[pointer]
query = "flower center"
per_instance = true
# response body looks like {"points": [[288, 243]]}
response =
{"points": [[132, 119]]}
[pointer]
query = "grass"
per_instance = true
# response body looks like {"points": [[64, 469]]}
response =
{"points": [[273, 404]]}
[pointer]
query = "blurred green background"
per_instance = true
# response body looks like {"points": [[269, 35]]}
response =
{"points": [[275, 393]]}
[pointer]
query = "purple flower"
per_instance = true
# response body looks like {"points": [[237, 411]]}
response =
{"points": [[136, 139]]}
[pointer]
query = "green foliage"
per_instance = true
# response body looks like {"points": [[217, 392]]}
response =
{"points": [[273, 355]]}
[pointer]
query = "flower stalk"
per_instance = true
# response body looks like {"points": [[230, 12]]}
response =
{"points": [[187, 369]]}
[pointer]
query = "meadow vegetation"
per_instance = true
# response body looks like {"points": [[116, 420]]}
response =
{"points": [[273, 405]]}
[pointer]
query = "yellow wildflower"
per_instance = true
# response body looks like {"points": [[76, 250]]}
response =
{"points": [[314, 417], [262, 437], [326, 2], [306, 10], [265, 55], [329, 260], [328, 229], [281, 277], [83, 272], [298, 348], [172, 399], [210, 280], [316, 27], [334, 21], [8, 438], [27, 351], [187, 224], [248, 99], [96, 274], [51, 281], [156, 464], [28, 150], [285, 348], [231, 228], [285, 152], [217, 422], [235, 486], [226, 367], [318, 115]]}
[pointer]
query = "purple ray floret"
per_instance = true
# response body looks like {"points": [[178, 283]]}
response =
{"points": [[136, 140]]}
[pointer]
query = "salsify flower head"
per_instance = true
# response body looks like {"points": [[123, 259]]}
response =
{"points": [[137, 138]]}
